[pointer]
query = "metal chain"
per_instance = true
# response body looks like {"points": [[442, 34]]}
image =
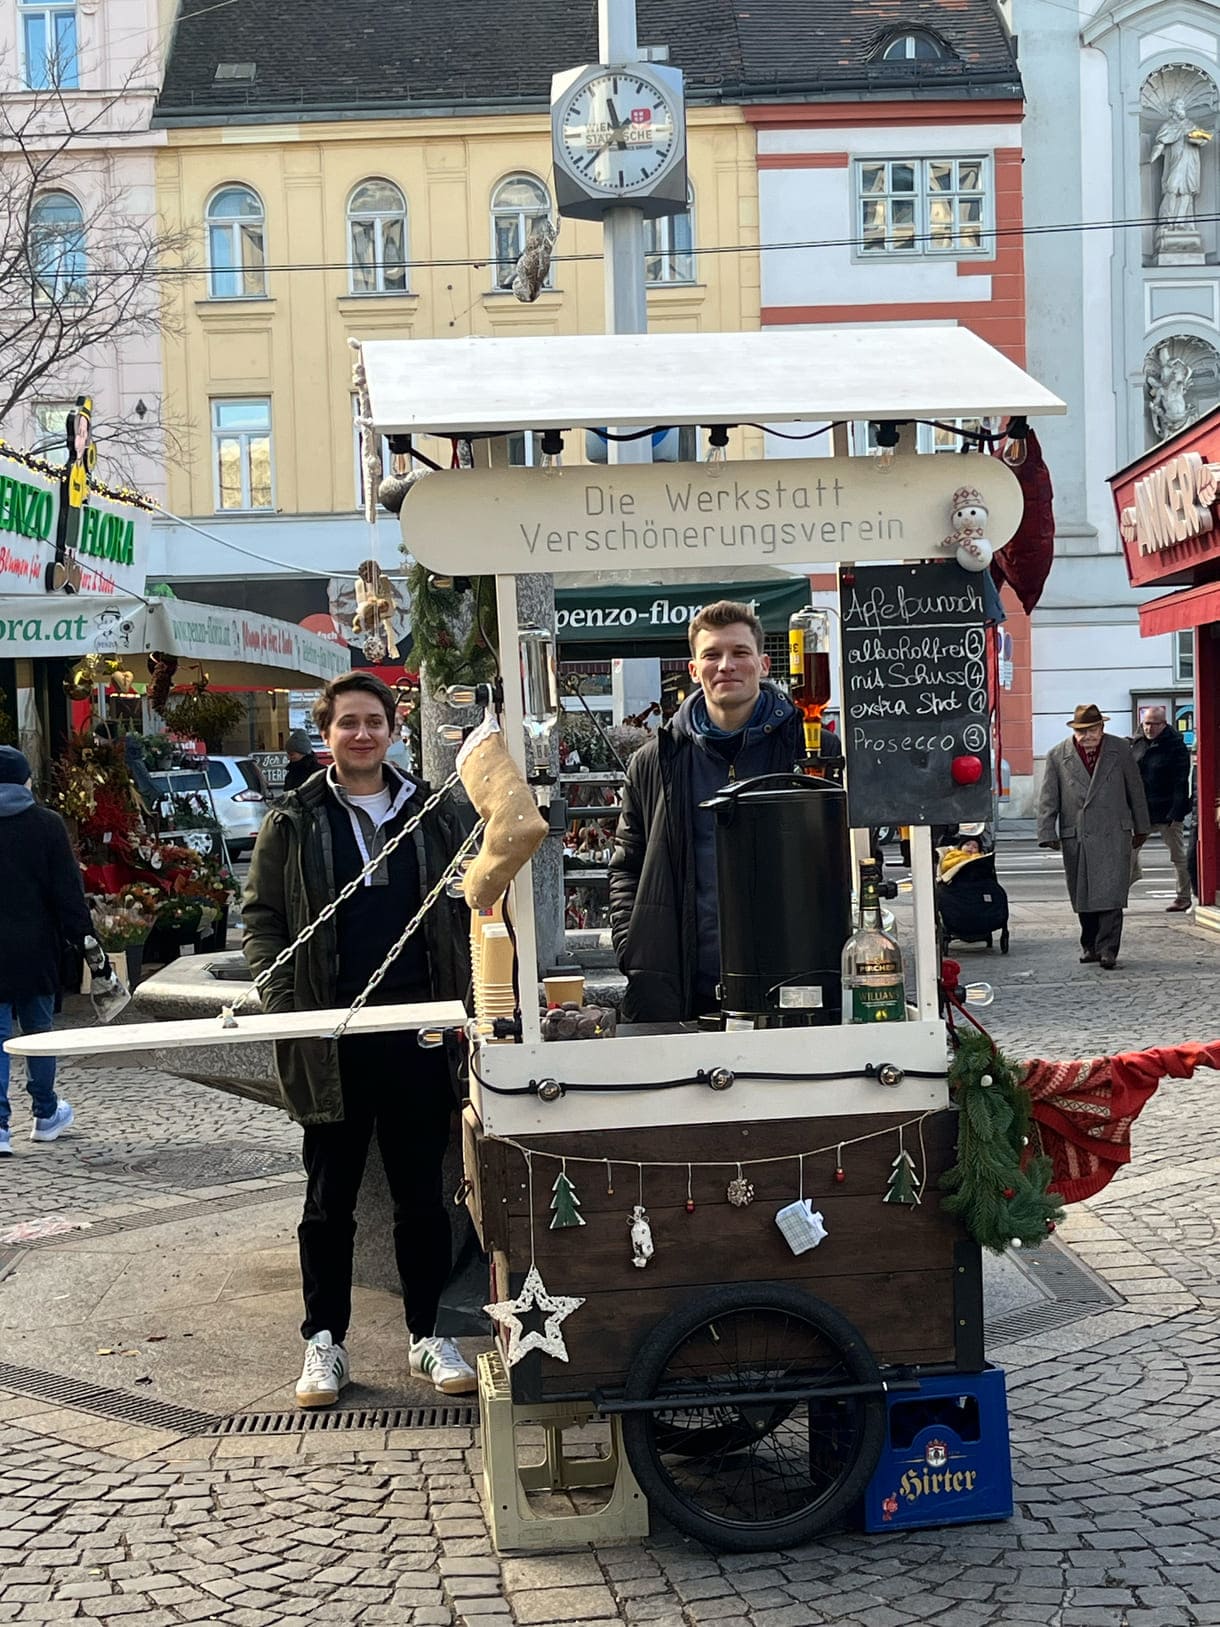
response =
{"points": [[452, 869], [285, 955]]}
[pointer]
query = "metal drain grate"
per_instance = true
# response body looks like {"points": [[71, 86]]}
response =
{"points": [[213, 1166], [70, 1392], [346, 1419], [1039, 1319]]}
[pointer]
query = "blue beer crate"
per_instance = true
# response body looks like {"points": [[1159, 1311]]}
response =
{"points": [[946, 1459]]}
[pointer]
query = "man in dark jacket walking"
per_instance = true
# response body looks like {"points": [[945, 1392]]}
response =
{"points": [[310, 846], [44, 908], [1163, 758], [663, 912], [302, 763]]}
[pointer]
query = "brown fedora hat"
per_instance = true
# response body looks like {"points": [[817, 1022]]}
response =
{"points": [[1087, 717]]}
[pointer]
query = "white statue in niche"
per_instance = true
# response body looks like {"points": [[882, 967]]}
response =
{"points": [[1178, 111], [1168, 404], [1181, 382], [1179, 142]]}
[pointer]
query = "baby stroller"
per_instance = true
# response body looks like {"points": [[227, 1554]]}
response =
{"points": [[971, 905]]}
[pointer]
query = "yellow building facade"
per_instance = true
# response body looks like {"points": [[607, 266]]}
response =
{"points": [[271, 334]]}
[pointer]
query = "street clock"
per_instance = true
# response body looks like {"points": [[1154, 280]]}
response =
{"points": [[618, 137]]}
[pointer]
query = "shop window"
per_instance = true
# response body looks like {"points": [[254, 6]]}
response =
{"points": [[926, 206], [237, 260], [48, 44], [668, 246], [57, 249], [241, 456], [52, 420], [1184, 657], [518, 205], [377, 238]]}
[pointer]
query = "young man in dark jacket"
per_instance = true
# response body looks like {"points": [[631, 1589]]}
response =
{"points": [[663, 913], [1164, 764], [310, 845], [44, 908]]}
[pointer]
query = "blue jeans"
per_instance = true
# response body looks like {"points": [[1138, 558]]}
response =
{"points": [[35, 1015]]}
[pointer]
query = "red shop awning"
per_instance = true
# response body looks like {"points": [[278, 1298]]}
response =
{"points": [[1179, 612]]}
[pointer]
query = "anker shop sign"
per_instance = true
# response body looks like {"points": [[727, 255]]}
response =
{"points": [[1167, 517]]}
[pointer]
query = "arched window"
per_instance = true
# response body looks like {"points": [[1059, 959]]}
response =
{"points": [[668, 244], [377, 238], [915, 47], [57, 248], [518, 205], [237, 258]]}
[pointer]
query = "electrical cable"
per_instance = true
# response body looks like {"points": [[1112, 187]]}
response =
{"points": [[994, 234], [702, 1076]]}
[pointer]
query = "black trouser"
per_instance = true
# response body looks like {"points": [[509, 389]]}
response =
{"points": [[403, 1093], [1101, 931]]}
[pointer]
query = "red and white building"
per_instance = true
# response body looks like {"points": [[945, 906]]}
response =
{"points": [[898, 200]]}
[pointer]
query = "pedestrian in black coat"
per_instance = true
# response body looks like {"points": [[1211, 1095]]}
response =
{"points": [[1163, 759], [44, 908]]}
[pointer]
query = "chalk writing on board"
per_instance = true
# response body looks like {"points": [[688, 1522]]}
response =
{"points": [[915, 692]]}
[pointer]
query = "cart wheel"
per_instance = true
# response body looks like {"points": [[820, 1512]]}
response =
{"points": [[753, 1475], [1004, 941]]}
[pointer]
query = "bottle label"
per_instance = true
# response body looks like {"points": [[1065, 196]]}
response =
{"points": [[883, 1005], [796, 653]]}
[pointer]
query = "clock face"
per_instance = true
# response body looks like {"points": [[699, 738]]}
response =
{"points": [[618, 132]]}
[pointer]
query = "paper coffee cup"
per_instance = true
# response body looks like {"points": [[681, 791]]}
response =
{"points": [[561, 989]]}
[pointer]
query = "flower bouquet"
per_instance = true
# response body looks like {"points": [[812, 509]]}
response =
{"points": [[117, 925]]}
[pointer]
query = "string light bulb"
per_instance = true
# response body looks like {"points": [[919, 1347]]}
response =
{"points": [[717, 449], [552, 453], [887, 442]]}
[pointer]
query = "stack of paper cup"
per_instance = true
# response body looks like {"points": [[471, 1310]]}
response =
{"points": [[493, 989], [478, 920]]}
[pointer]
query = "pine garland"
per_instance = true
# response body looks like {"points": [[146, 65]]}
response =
{"points": [[443, 656], [1000, 1202]]}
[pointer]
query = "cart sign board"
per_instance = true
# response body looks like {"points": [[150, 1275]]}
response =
{"points": [[915, 695], [644, 518]]}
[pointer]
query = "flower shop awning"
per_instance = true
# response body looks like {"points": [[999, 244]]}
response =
{"points": [[237, 648]]}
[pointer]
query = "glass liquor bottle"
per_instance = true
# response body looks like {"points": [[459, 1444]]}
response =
{"points": [[873, 989], [809, 671]]}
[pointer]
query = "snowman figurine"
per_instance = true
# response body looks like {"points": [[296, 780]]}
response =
{"points": [[968, 537]]}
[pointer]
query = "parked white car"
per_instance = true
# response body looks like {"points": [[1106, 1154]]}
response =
{"points": [[238, 793]]}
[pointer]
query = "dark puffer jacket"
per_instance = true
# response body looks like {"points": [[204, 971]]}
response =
{"points": [[292, 878], [654, 915], [1164, 765]]}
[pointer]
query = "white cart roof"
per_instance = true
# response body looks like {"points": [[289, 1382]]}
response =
{"points": [[451, 386]]}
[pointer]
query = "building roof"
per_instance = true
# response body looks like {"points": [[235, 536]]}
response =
{"points": [[261, 60]]}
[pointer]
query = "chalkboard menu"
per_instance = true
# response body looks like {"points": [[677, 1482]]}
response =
{"points": [[914, 694]]}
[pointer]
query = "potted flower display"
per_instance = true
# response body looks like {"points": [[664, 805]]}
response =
{"points": [[122, 927]]}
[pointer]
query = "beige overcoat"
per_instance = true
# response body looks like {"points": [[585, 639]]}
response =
{"points": [[1094, 817]]}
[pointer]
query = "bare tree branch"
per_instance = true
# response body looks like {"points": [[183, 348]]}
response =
{"points": [[79, 266]]}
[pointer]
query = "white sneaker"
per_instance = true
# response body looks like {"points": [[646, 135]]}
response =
{"points": [[51, 1129], [440, 1360], [324, 1374]]}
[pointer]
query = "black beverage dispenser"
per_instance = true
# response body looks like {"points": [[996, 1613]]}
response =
{"points": [[783, 884]]}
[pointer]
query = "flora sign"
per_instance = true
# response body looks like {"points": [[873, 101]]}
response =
{"points": [[111, 544]]}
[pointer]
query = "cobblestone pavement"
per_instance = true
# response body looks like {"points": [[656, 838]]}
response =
{"points": [[1115, 1417]]}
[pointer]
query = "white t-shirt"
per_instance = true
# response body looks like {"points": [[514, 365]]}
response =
{"points": [[377, 806]]}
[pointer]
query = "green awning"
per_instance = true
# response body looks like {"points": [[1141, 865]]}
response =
{"points": [[648, 620]]}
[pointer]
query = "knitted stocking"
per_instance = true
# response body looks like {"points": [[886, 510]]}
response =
{"points": [[514, 827]]}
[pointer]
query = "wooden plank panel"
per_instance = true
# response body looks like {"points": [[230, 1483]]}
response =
{"points": [[904, 1316], [866, 1165]]}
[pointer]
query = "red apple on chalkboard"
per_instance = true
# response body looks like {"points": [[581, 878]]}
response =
{"points": [[967, 770]]}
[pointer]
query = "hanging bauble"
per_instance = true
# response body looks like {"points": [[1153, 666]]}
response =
{"points": [[373, 649], [739, 1191]]}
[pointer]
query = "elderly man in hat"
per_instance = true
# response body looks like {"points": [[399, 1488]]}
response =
{"points": [[1093, 808]]}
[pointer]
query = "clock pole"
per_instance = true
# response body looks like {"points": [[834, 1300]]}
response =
{"points": [[623, 227]]}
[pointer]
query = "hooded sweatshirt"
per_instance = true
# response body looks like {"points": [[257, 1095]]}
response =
{"points": [[719, 756]]}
